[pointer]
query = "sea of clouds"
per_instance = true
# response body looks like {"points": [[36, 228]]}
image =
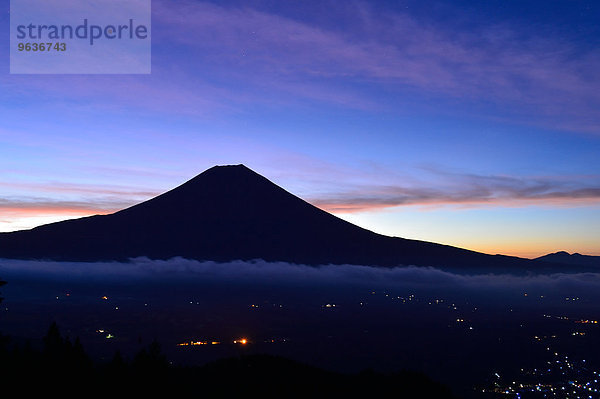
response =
{"points": [[258, 271]]}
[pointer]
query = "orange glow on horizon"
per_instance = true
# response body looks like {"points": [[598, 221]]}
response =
{"points": [[366, 206], [51, 211], [531, 253], [14, 219]]}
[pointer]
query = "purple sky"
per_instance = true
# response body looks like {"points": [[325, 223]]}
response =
{"points": [[468, 123]]}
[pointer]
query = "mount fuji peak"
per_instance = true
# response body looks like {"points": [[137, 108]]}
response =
{"points": [[232, 213]]}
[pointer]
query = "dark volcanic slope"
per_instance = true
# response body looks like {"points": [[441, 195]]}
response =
{"points": [[229, 213]]}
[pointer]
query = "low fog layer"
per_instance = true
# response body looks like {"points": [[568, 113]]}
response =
{"points": [[260, 272]]}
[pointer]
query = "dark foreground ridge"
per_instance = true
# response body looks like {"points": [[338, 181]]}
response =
{"points": [[232, 213], [61, 365]]}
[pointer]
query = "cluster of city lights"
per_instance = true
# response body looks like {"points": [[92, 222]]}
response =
{"points": [[556, 376], [559, 377], [239, 341]]}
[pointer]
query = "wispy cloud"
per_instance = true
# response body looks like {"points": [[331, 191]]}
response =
{"points": [[466, 190], [34, 203], [536, 78], [37, 206], [34, 199], [240, 56], [81, 188], [19, 213]]}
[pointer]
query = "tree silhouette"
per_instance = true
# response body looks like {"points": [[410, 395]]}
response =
{"points": [[2, 282], [53, 343], [3, 339], [61, 355], [117, 365], [150, 359]]}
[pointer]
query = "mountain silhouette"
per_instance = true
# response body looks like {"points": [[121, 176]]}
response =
{"points": [[566, 258], [232, 213]]}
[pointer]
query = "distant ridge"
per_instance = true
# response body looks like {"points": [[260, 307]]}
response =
{"points": [[232, 213], [575, 259]]}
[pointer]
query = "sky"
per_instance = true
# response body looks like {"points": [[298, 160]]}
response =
{"points": [[468, 123]]}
